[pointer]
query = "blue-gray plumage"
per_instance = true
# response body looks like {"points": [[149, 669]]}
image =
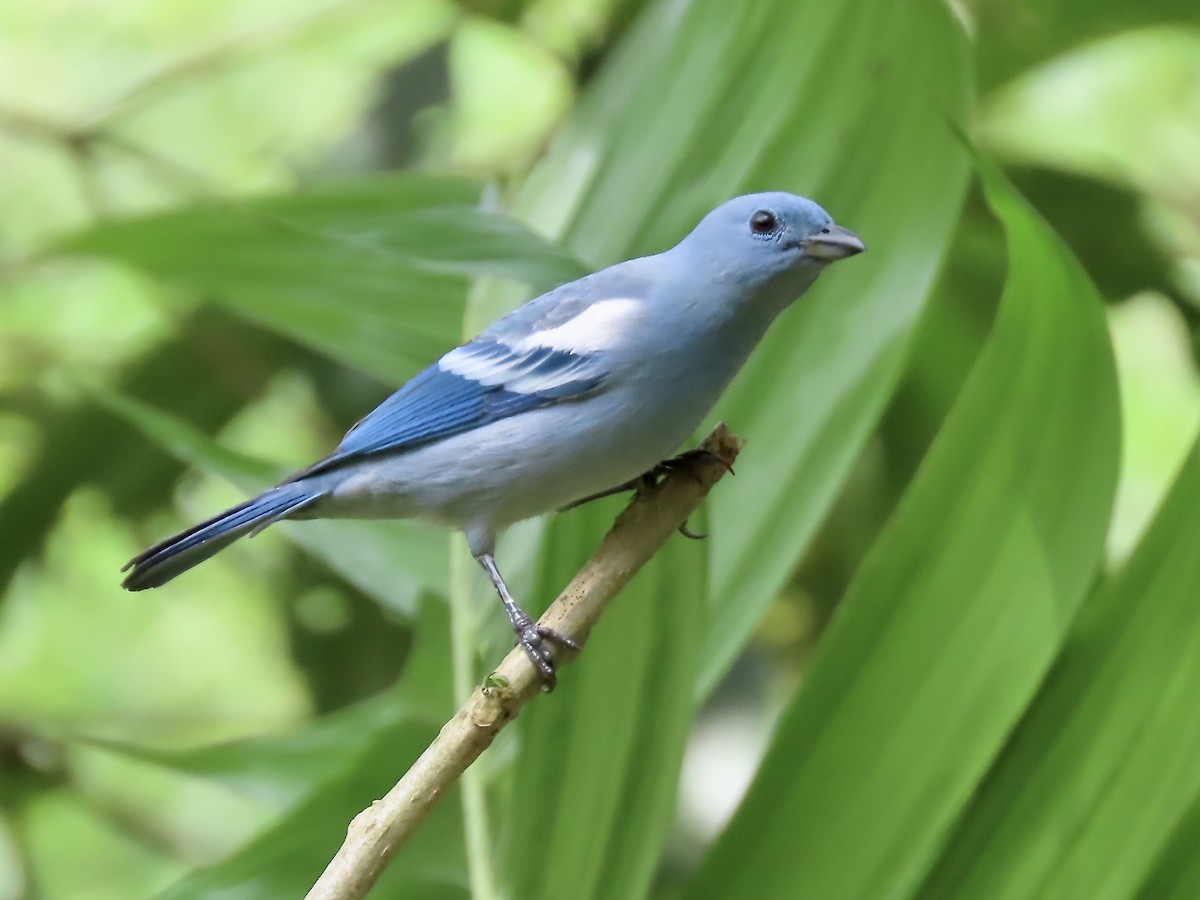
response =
{"points": [[582, 389]]}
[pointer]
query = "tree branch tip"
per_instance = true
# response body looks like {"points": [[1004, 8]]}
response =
{"points": [[724, 443]]}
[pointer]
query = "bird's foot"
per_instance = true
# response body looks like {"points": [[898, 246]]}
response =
{"points": [[690, 461], [537, 641]]}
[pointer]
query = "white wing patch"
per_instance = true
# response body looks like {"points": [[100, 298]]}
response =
{"points": [[598, 327], [545, 361], [486, 368]]}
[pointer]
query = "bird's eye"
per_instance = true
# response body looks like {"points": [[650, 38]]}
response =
{"points": [[763, 222]]}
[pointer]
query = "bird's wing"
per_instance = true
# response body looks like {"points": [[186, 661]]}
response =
{"points": [[538, 356]]}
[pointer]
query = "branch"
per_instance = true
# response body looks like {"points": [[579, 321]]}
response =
{"points": [[650, 519]]}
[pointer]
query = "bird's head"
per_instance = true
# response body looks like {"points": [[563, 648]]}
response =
{"points": [[769, 237]]}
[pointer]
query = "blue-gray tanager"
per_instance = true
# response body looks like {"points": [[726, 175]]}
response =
{"points": [[579, 391]]}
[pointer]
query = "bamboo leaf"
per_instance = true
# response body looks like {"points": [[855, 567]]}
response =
{"points": [[956, 614], [1106, 761], [372, 271], [788, 96], [1176, 875], [321, 777]]}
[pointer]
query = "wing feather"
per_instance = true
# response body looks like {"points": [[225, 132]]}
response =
{"points": [[473, 385], [552, 350]]}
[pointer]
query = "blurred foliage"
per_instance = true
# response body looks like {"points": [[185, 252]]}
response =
{"points": [[228, 228]]}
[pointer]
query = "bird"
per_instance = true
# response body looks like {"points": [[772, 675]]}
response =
{"points": [[581, 392]]}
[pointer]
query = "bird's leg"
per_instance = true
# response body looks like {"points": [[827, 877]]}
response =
{"points": [[535, 639]]}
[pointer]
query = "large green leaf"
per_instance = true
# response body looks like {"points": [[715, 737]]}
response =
{"points": [[811, 395], [817, 98], [604, 783], [373, 271], [328, 774], [1177, 873], [284, 770], [1107, 760], [955, 615], [1014, 37]]}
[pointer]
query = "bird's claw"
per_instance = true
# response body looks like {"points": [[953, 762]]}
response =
{"points": [[537, 641], [689, 460]]}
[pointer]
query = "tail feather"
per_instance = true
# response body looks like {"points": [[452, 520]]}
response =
{"points": [[162, 562]]}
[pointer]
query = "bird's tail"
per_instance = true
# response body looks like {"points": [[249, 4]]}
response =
{"points": [[177, 554]]}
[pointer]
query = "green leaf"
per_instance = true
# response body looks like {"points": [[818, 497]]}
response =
{"points": [[372, 271], [1106, 761], [812, 393], [1177, 873], [282, 769], [325, 775], [957, 612], [286, 859], [605, 780], [391, 561], [787, 96], [1014, 37]]}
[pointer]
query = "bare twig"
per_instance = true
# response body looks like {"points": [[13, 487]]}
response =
{"points": [[650, 519]]}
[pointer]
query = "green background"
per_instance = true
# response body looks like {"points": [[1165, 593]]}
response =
{"points": [[944, 638]]}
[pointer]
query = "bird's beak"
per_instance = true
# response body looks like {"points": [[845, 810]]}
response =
{"points": [[834, 242]]}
